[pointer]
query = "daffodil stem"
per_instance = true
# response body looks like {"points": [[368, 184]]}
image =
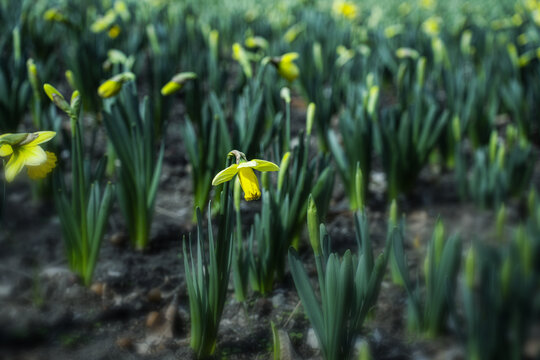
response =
{"points": [[287, 129]]}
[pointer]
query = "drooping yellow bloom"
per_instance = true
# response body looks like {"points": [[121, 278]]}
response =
{"points": [[24, 150], [109, 88], [286, 67], [246, 175], [113, 86], [177, 82]]}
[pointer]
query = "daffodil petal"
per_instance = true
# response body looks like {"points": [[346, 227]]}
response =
{"points": [[42, 136], [14, 166], [5, 150], [263, 165], [247, 164], [32, 155], [249, 183], [288, 57], [225, 175]]}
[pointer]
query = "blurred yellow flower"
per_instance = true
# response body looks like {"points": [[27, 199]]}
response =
{"points": [[246, 175], [292, 33], [114, 31], [241, 55], [113, 86], [256, 42], [23, 150], [286, 67], [109, 88], [432, 26], [104, 22], [346, 9], [54, 14], [427, 4], [177, 82]]}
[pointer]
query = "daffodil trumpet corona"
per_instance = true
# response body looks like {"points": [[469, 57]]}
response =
{"points": [[24, 149], [246, 175]]}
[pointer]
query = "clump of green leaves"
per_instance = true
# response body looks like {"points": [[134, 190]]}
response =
{"points": [[349, 286], [501, 170], [131, 130], [499, 291], [284, 208], [356, 130], [15, 91], [207, 277], [83, 212], [428, 312]]}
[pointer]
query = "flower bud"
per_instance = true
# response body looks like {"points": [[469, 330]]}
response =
{"points": [[359, 188], [313, 226], [57, 98], [310, 117], [372, 100], [283, 169]]}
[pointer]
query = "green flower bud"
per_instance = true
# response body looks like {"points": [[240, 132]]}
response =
{"points": [[310, 117], [283, 166], [317, 57], [57, 98], [313, 226], [372, 100], [438, 241]]}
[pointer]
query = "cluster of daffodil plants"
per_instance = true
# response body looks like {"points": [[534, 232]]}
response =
{"points": [[271, 101]]}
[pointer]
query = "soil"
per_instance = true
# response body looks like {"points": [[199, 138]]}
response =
{"points": [[138, 308]]}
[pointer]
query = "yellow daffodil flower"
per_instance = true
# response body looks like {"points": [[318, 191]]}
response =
{"points": [[286, 67], [114, 31], [403, 53], [109, 88], [246, 175], [427, 4], [242, 56], [24, 150], [432, 26], [104, 22], [113, 86], [256, 42], [293, 32], [54, 14], [177, 82], [346, 9]]}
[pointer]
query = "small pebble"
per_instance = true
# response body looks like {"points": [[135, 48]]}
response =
{"points": [[152, 319], [124, 342], [98, 288], [118, 239], [154, 295]]}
